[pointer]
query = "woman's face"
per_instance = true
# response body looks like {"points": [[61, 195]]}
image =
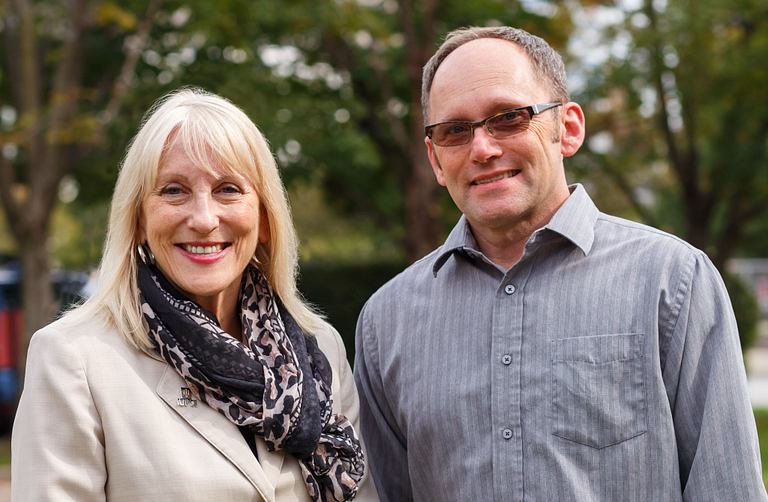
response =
{"points": [[202, 229]]}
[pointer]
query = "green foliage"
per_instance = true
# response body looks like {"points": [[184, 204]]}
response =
{"points": [[328, 81], [77, 236], [5, 448], [340, 106], [7, 246], [761, 417], [745, 308], [685, 104], [341, 290]]}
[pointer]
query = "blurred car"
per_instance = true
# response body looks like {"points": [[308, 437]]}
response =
{"points": [[69, 287]]}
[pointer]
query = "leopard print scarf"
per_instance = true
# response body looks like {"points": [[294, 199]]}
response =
{"points": [[278, 385]]}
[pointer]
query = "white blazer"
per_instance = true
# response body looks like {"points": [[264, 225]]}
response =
{"points": [[100, 420]]}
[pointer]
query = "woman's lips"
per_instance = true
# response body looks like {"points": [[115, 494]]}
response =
{"points": [[202, 250]]}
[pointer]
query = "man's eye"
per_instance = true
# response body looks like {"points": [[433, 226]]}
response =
{"points": [[508, 117], [456, 129]]}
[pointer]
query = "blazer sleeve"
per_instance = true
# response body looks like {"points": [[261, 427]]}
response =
{"points": [[350, 408], [57, 446]]}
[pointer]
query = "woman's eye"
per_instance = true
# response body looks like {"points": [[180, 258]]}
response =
{"points": [[230, 189], [171, 190]]}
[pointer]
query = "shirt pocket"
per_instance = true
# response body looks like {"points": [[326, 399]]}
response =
{"points": [[598, 394]]}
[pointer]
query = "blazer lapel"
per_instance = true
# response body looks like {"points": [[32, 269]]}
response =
{"points": [[224, 436], [270, 461]]}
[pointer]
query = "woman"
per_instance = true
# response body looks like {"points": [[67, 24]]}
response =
{"points": [[188, 375]]}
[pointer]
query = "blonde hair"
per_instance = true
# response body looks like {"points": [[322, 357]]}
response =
{"points": [[212, 130]]}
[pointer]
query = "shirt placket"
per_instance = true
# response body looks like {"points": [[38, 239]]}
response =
{"points": [[506, 350]]}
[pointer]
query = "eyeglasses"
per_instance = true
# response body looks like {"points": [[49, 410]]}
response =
{"points": [[500, 125]]}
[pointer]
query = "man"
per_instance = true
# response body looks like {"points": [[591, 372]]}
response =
{"points": [[547, 351]]}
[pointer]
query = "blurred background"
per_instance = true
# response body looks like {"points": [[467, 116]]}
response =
{"points": [[675, 94]]}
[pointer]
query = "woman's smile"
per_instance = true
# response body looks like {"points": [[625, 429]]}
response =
{"points": [[204, 253], [204, 249]]}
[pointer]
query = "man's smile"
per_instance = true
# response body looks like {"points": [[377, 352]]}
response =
{"points": [[508, 174]]}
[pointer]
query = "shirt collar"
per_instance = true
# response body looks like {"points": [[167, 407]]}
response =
{"points": [[575, 220], [460, 239]]}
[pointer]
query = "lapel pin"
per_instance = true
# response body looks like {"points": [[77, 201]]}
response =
{"points": [[186, 398]]}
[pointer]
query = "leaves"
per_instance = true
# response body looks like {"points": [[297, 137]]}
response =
{"points": [[108, 13], [690, 124]]}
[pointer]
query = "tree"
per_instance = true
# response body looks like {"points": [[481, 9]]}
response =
{"points": [[66, 70], [335, 85], [680, 119], [340, 82], [384, 53]]}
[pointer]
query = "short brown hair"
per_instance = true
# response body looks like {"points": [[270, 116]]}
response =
{"points": [[546, 61]]}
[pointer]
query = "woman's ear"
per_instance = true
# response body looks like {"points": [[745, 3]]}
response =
{"points": [[263, 224], [573, 130], [141, 235]]}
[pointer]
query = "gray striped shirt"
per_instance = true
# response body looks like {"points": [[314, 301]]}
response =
{"points": [[604, 366]]}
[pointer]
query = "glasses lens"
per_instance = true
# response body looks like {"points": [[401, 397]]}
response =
{"points": [[509, 123], [451, 134]]}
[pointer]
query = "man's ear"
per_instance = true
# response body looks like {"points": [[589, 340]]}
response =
{"points": [[573, 129], [434, 161]]}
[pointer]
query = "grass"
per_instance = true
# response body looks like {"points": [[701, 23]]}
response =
{"points": [[761, 417], [5, 450]]}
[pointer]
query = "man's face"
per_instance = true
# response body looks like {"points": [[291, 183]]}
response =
{"points": [[498, 183]]}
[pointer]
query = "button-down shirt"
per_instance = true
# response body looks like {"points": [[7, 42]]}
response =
{"points": [[604, 366]]}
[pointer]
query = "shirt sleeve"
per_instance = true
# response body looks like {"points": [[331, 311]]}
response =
{"points": [[57, 442], [387, 447], [705, 379]]}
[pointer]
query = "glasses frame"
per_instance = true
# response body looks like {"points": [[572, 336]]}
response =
{"points": [[531, 109]]}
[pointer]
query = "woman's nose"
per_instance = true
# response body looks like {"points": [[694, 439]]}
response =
{"points": [[204, 218]]}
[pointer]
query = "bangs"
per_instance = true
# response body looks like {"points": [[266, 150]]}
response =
{"points": [[215, 143]]}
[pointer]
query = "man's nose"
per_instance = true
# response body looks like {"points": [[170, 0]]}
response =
{"points": [[484, 146]]}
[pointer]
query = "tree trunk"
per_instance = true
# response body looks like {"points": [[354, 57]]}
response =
{"points": [[37, 294], [421, 190], [48, 157], [421, 207], [698, 213]]}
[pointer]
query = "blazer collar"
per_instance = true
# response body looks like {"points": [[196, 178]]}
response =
{"points": [[224, 436]]}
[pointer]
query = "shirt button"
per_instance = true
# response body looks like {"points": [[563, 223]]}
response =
{"points": [[507, 433], [509, 289], [506, 359]]}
